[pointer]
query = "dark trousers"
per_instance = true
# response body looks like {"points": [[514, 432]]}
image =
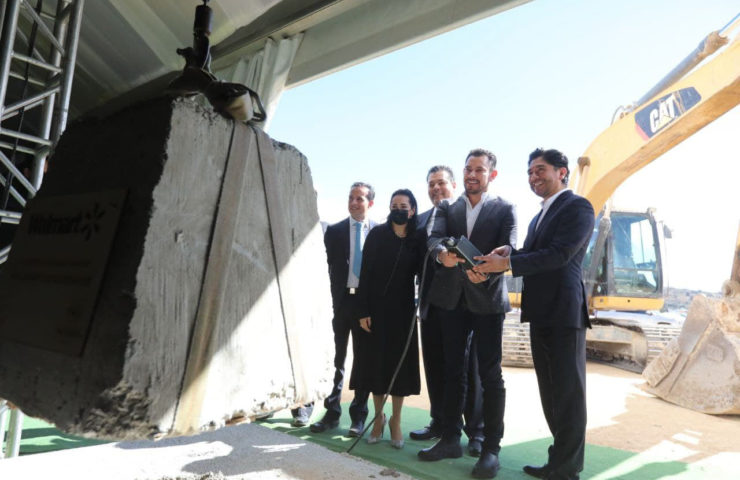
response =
{"points": [[559, 356], [458, 326], [433, 348], [343, 324]]}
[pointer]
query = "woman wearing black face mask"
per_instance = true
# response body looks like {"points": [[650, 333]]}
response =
{"points": [[390, 260]]}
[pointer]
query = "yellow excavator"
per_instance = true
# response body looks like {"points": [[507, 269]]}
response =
{"points": [[623, 268]]}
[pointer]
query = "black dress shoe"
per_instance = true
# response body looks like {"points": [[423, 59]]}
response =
{"points": [[442, 449], [324, 425], [356, 428], [302, 415], [487, 465], [537, 472], [300, 419], [426, 433], [474, 447]]}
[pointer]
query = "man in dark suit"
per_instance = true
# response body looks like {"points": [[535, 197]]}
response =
{"points": [[554, 304], [441, 186], [343, 242], [469, 302]]}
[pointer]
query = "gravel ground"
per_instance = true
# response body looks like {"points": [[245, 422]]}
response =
{"points": [[243, 452]]}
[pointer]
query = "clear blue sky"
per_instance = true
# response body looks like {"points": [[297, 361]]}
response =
{"points": [[549, 73]]}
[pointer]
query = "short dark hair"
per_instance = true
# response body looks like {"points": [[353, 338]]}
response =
{"points": [[370, 189], [441, 168], [482, 152], [411, 226], [554, 158]]}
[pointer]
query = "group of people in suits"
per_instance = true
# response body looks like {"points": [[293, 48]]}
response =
{"points": [[462, 308]]}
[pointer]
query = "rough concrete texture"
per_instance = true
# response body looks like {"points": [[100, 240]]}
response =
{"points": [[243, 452], [303, 283], [172, 157], [700, 369]]}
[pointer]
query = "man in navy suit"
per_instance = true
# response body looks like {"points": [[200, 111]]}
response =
{"points": [[441, 186], [554, 304], [343, 242], [469, 302]]}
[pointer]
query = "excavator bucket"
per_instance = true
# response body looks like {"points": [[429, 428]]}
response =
{"points": [[700, 369]]}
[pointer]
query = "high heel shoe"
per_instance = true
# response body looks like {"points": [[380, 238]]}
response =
{"points": [[395, 443], [372, 439]]}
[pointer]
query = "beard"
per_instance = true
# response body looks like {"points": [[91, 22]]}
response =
{"points": [[474, 189]]}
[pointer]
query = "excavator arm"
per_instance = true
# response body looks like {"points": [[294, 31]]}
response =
{"points": [[653, 128], [680, 105], [698, 368]]}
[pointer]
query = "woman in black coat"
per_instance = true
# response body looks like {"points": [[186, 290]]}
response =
{"points": [[390, 260]]}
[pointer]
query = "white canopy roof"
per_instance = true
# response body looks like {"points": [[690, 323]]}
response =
{"points": [[130, 44]]}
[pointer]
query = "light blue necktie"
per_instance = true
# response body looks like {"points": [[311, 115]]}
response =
{"points": [[357, 262]]}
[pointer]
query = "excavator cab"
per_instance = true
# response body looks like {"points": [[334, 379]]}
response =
{"points": [[623, 264], [623, 274]]}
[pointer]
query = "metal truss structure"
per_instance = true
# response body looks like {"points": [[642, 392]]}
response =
{"points": [[38, 49]]}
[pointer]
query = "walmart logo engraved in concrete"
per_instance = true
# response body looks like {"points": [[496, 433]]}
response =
{"points": [[83, 222]]}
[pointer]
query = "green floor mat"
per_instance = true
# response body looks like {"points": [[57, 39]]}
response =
{"points": [[39, 436], [602, 463]]}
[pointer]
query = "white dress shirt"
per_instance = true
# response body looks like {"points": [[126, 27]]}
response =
{"points": [[546, 206], [471, 212]]}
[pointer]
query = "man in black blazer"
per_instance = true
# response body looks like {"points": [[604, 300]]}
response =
{"points": [[554, 304], [441, 186], [343, 242], [471, 302]]}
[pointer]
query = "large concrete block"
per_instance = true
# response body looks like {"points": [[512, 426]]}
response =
{"points": [[169, 275]]}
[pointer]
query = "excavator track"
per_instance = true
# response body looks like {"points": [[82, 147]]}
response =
{"points": [[516, 350], [658, 337], [654, 339]]}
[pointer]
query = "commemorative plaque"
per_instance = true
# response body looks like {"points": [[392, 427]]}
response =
{"points": [[50, 284]]}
